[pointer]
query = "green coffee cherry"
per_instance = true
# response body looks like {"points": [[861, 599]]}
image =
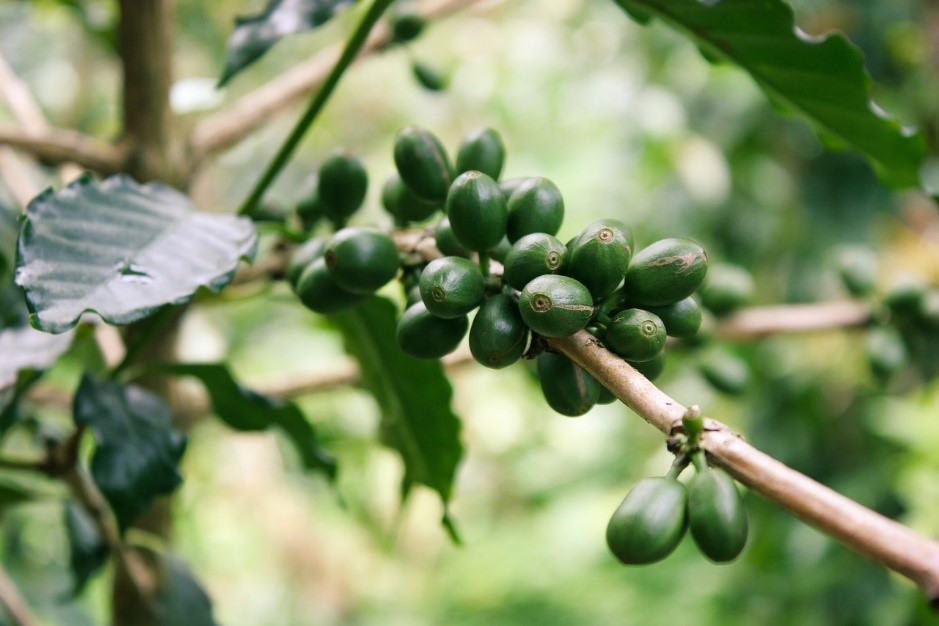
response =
{"points": [[682, 319], [481, 150], [568, 389], [428, 77], [360, 260], [650, 522], [452, 286], [905, 296], [599, 255], [717, 515], [406, 26], [477, 211], [342, 184], [667, 271], [303, 255], [501, 250], [509, 185], [727, 288], [555, 306], [886, 352], [423, 335], [635, 335], [310, 211], [724, 370], [652, 368], [319, 291], [422, 163], [498, 335], [857, 267], [446, 241], [533, 256], [535, 206], [405, 205]]}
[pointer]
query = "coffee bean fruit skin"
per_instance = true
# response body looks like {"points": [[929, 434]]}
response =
{"points": [[650, 522], [446, 241], [667, 271], [726, 289], [452, 286], [342, 185], [481, 150], [477, 211], [567, 388], [498, 335], [682, 319], [652, 368], [532, 256], [717, 515], [361, 260], [405, 205], [428, 77], [535, 206], [635, 335], [599, 255], [555, 306], [303, 255], [423, 335], [422, 163], [319, 291], [724, 370]]}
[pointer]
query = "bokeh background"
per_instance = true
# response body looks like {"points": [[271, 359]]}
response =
{"points": [[632, 123]]}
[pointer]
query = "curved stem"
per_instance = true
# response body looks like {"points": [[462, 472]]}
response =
{"points": [[351, 50]]}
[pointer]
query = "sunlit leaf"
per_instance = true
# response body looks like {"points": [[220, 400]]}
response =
{"points": [[821, 78], [122, 250], [138, 451], [254, 35], [246, 410], [414, 396]]}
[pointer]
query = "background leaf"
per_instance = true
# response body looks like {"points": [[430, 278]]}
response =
{"points": [[254, 35], [821, 78], [414, 396], [87, 551], [246, 410], [122, 250], [181, 599], [138, 450], [9, 229], [27, 348]]}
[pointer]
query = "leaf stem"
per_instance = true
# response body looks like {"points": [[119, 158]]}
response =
{"points": [[350, 51]]}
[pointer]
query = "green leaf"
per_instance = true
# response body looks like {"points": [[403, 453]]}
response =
{"points": [[122, 250], [246, 410], [821, 78], [9, 230], [254, 35], [87, 551], [414, 396], [138, 451], [181, 599]]}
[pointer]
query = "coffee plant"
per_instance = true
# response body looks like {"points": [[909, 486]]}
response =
{"points": [[442, 255]]}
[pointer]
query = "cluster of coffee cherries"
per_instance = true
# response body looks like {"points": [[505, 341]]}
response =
{"points": [[500, 255], [658, 511]]}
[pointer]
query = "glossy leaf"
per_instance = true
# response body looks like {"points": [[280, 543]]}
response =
{"points": [[414, 396], [246, 410], [821, 78], [122, 250], [87, 551], [254, 35], [181, 599], [138, 451]]}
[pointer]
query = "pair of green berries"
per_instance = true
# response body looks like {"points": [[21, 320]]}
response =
{"points": [[657, 512]]}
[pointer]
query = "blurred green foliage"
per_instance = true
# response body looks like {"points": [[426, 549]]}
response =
{"points": [[630, 123]]}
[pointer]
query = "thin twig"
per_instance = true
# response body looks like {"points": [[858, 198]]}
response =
{"points": [[756, 322], [224, 129], [13, 600], [881, 539], [58, 146]]}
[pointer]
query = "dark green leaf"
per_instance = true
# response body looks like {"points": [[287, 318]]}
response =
{"points": [[821, 78], [9, 229], [122, 250], [138, 450], [414, 396], [181, 599], [256, 34], [245, 410], [87, 551]]}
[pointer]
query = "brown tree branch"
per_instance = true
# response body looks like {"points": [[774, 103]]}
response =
{"points": [[756, 322], [227, 127], [59, 146], [13, 600], [872, 535]]}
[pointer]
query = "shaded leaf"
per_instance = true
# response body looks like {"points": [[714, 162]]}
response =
{"points": [[9, 230], [138, 451], [414, 396], [27, 348], [87, 551], [821, 78], [122, 250], [181, 599], [254, 35], [246, 410]]}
